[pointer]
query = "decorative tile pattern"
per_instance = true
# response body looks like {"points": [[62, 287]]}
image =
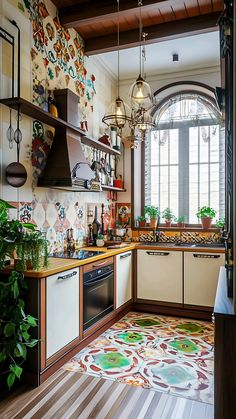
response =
{"points": [[158, 352], [185, 237]]}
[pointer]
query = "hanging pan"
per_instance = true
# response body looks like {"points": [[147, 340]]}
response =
{"points": [[16, 174]]}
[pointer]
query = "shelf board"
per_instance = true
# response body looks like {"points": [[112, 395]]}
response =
{"points": [[112, 188], [86, 139], [29, 109]]}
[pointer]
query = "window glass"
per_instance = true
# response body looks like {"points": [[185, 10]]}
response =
{"points": [[186, 163]]}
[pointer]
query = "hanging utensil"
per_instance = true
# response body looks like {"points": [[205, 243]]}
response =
{"points": [[10, 132], [16, 174]]}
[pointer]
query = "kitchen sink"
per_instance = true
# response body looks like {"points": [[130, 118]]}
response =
{"points": [[211, 245], [157, 244], [181, 244], [184, 244]]}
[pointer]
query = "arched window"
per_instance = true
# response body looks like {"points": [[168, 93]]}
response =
{"points": [[185, 156]]}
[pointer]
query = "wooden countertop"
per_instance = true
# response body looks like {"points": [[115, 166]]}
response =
{"points": [[60, 264]]}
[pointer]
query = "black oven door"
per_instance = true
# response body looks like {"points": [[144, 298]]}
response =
{"points": [[98, 299]]}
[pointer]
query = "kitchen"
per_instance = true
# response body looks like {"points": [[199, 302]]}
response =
{"points": [[132, 271]]}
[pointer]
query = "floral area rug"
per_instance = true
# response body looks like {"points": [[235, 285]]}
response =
{"points": [[162, 353]]}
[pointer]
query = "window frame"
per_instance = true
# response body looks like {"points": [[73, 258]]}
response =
{"points": [[166, 126]]}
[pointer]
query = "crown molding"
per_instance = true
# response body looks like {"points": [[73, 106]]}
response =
{"points": [[98, 61], [173, 74]]}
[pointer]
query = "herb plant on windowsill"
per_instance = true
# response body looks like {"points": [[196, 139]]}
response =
{"points": [[141, 221], [15, 324], [153, 213], [206, 214], [168, 216], [181, 221]]}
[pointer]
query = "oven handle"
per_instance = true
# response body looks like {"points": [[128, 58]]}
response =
{"points": [[99, 279]]}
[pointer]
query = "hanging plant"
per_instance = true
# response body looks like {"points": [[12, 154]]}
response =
{"points": [[15, 324]]}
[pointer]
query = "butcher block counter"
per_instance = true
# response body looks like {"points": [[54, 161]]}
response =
{"points": [[61, 264]]}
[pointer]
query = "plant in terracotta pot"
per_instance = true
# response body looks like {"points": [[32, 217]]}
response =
{"points": [[153, 213], [180, 221], [15, 323], [141, 221], [168, 216], [206, 214]]}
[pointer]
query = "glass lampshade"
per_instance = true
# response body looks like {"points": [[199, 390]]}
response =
{"points": [[119, 113], [140, 94]]}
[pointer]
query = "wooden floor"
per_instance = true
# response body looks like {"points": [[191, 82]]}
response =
{"points": [[71, 395]]}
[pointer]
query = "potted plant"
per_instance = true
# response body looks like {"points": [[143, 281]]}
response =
{"points": [[206, 214], [220, 223], [180, 221], [153, 213], [100, 240], [15, 323], [141, 221], [168, 216]]}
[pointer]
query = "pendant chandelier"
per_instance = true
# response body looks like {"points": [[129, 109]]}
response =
{"points": [[140, 92], [119, 112]]}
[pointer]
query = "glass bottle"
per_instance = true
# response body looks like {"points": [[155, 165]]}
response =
{"points": [[96, 226]]}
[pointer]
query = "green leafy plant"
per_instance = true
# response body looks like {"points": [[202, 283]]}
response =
{"points": [[180, 219], [220, 222], [100, 236], [141, 218], [167, 214], [15, 324], [206, 212], [153, 212]]}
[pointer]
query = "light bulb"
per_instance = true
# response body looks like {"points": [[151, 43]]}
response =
{"points": [[139, 94], [118, 111]]}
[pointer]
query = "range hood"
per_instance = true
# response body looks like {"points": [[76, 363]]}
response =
{"points": [[66, 167]]}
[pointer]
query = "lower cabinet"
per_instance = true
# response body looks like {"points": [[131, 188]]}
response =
{"points": [[62, 310], [160, 275], [201, 272], [123, 278]]}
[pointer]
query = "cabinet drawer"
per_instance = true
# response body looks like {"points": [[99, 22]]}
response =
{"points": [[201, 271], [159, 276], [62, 310]]}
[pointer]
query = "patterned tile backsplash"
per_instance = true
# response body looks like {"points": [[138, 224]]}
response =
{"points": [[183, 236], [55, 217]]}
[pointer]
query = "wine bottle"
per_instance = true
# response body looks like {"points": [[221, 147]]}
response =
{"points": [[96, 226]]}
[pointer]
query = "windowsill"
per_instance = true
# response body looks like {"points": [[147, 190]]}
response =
{"points": [[176, 228]]}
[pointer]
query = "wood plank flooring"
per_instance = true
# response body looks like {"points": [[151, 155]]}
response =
{"points": [[71, 395]]}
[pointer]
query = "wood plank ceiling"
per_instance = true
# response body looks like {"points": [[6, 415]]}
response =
{"points": [[96, 20]]}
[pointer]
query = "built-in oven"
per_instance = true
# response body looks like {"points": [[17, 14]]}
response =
{"points": [[98, 292]]}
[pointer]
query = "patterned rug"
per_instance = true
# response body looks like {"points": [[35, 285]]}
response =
{"points": [[162, 353]]}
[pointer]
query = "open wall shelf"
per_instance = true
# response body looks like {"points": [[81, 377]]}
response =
{"points": [[29, 109], [112, 188]]}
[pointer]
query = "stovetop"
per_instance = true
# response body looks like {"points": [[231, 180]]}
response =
{"points": [[81, 254]]}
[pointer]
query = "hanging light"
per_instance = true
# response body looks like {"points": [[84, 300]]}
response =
{"points": [[140, 92], [119, 113], [143, 122]]}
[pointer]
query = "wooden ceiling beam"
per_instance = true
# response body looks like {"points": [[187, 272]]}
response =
{"points": [[102, 10], [156, 33]]}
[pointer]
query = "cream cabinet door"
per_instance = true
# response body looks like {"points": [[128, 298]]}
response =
{"points": [[159, 276], [201, 271], [123, 278], [62, 315]]}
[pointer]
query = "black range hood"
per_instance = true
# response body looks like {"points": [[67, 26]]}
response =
{"points": [[66, 167]]}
